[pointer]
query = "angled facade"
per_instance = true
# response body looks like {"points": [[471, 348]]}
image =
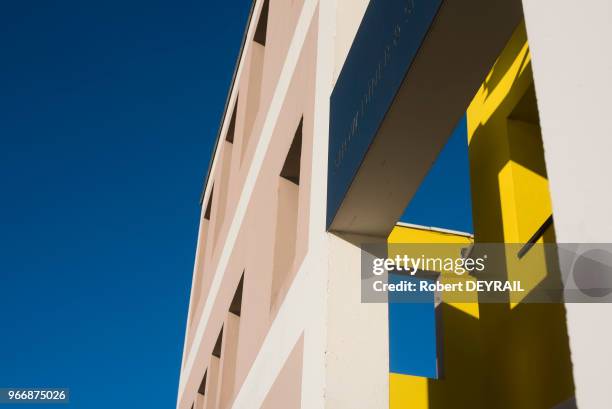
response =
{"points": [[336, 113]]}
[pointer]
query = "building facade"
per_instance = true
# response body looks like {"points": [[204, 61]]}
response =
{"points": [[336, 112]]}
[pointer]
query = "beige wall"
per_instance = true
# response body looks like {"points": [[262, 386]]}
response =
{"points": [[245, 232], [261, 225], [286, 390]]}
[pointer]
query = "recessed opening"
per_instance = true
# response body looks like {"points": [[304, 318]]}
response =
{"points": [[232, 125], [291, 167], [202, 388], [236, 305], [527, 108], [223, 184], [209, 204], [262, 24], [255, 77], [217, 349], [531, 194], [287, 216], [231, 337], [210, 384]]}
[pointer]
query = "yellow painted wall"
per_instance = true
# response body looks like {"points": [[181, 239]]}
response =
{"points": [[460, 335], [512, 355], [525, 346]]}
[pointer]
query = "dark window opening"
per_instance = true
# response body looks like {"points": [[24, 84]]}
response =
{"points": [[236, 305], [202, 388], [209, 205], [217, 349], [262, 24], [256, 66], [232, 125], [287, 218], [291, 167]]}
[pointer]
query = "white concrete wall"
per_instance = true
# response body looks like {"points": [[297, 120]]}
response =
{"points": [[571, 45], [348, 15], [357, 359]]}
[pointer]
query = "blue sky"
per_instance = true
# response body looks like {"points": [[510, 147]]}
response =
{"points": [[108, 113], [444, 197]]}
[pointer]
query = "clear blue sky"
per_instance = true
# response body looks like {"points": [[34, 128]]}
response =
{"points": [[108, 112], [444, 197]]}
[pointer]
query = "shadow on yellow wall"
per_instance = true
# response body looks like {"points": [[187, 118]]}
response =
{"points": [[516, 354]]}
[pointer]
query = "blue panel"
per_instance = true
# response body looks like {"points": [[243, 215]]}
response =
{"points": [[412, 331], [388, 38]]}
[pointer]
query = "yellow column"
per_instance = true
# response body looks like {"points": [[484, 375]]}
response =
{"points": [[525, 346]]}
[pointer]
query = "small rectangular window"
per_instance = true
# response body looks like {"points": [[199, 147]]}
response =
{"points": [[257, 53], [200, 400], [291, 167], [202, 388], [231, 337], [212, 383], [236, 305], [229, 136], [209, 204], [209, 387], [262, 24], [217, 349], [287, 216], [223, 186]]}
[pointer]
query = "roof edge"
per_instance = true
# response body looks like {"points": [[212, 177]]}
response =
{"points": [[227, 100], [435, 229]]}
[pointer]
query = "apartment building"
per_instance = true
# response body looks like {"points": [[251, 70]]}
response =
{"points": [[336, 112]]}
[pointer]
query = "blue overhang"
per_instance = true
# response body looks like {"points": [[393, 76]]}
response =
{"points": [[384, 47]]}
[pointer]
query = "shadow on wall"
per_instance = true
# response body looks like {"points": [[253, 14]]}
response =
{"points": [[515, 354]]}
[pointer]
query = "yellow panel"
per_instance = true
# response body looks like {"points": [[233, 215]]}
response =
{"points": [[407, 392], [489, 350], [401, 234], [511, 200], [492, 97], [409, 235], [460, 335]]}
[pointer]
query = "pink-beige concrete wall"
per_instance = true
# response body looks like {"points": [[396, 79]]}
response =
{"points": [[286, 390], [255, 251]]}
